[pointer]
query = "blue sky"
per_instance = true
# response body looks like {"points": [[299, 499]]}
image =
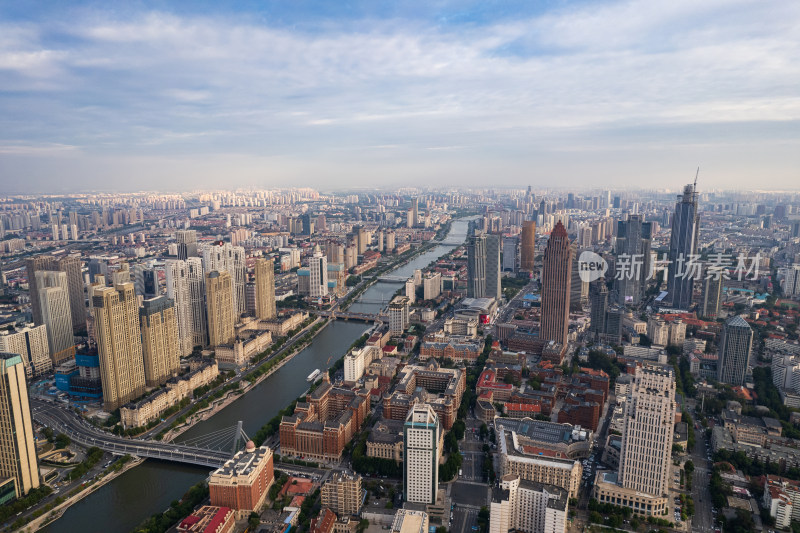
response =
{"points": [[185, 95]]}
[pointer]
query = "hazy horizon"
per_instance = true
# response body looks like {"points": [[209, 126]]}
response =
{"points": [[588, 94]]}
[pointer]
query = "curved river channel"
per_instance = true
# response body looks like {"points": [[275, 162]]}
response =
{"points": [[126, 501]]}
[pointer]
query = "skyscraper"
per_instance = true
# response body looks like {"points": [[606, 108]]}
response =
{"points": [[712, 297], [17, 448], [53, 292], [219, 302], [265, 288], [579, 289], [187, 243], [119, 344], [223, 256], [31, 343], [421, 454], [633, 246], [180, 284], [510, 254], [527, 246], [33, 265], [318, 269], [414, 211], [71, 266], [682, 247], [598, 294], [483, 266], [644, 465], [556, 283], [734, 351], [160, 341]]}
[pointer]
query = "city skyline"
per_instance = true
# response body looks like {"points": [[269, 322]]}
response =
{"points": [[192, 95]]}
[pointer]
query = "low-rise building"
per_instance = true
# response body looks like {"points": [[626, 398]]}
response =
{"points": [[209, 519]]}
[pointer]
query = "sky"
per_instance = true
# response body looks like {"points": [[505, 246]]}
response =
{"points": [[179, 96]]}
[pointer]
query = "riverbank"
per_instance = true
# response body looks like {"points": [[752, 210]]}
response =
{"points": [[56, 512], [232, 396]]}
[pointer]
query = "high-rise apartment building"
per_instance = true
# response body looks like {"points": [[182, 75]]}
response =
{"points": [[633, 246], [33, 265], [186, 287], [431, 285], [556, 283], [31, 343], [791, 283], [187, 243], [414, 211], [645, 457], [219, 303], [231, 259], [683, 245], [527, 246], [734, 351], [421, 456], [265, 289], [119, 344], [17, 448], [342, 494], [53, 290], [483, 266], [160, 341], [398, 315], [318, 270], [71, 266]]}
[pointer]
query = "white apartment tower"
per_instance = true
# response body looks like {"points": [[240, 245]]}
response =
{"points": [[421, 457], [186, 287], [318, 269]]}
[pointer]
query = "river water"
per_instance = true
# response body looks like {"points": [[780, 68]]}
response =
{"points": [[126, 501]]}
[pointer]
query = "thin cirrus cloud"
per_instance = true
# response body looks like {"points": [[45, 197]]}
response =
{"points": [[587, 90]]}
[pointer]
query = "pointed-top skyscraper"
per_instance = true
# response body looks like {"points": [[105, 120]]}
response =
{"points": [[556, 281], [682, 245]]}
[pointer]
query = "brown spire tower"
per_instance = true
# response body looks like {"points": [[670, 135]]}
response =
{"points": [[556, 278]]}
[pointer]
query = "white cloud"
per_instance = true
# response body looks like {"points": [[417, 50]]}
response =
{"points": [[549, 82]]}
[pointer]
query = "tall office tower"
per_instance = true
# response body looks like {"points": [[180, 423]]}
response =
{"points": [[32, 266], [598, 294], [644, 464], [197, 301], [318, 269], [322, 223], [160, 341], [119, 344], [510, 254], [476, 266], [187, 243], [97, 267], [219, 302], [734, 351], [17, 449], [145, 281], [483, 266], [265, 289], [683, 243], [556, 284], [527, 245], [414, 211], [31, 343], [224, 256], [71, 265], [308, 224], [633, 246], [579, 289], [421, 454], [54, 305], [712, 297]]}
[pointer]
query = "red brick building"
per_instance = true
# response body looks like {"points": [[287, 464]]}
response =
{"points": [[243, 481]]}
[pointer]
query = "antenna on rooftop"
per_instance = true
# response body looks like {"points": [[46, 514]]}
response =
{"points": [[695, 179]]}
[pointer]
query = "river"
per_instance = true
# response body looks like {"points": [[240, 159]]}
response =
{"points": [[126, 501]]}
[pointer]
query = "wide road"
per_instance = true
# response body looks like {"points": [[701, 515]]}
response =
{"points": [[703, 520], [64, 421]]}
